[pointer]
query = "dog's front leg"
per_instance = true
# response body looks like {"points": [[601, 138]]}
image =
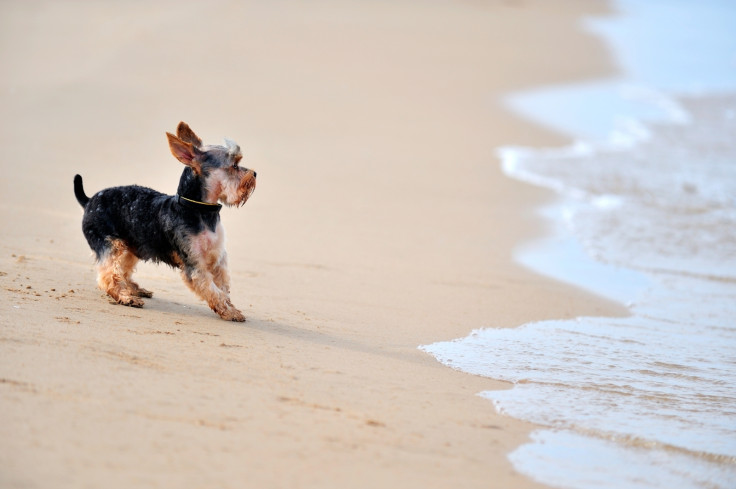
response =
{"points": [[221, 275], [203, 284]]}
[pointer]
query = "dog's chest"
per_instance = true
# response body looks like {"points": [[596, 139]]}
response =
{"points": [[209, 245]]}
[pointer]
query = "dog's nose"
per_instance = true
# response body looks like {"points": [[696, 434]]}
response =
{"points": [[255, 174]]}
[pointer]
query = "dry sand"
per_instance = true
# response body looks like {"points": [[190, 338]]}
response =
{"points": [[381, 222]]}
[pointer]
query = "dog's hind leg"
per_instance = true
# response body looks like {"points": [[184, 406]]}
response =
{"points": [[114, 271], [128, 261]]}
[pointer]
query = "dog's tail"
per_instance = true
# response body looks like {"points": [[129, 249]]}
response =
{"points": [[79, 191]]}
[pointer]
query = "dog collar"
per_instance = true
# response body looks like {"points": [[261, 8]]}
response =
{"points": [[197, 205]]}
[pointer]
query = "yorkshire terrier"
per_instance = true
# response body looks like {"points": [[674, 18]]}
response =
{"points": [[125, 224]]}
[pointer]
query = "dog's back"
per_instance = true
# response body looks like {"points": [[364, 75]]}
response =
{"points": [[131, 214]]}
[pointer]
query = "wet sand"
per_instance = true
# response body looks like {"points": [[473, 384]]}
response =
{"points": [[381, 222]]}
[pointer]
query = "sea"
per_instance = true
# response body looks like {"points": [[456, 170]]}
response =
{"points": [[646, 216]]}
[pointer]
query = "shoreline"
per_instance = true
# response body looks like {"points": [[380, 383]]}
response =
{"points": [[372, 128], [644, 205]]}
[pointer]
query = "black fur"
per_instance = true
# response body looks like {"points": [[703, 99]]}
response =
{"points": [[190, 185], [79, 191], [153, 225]]}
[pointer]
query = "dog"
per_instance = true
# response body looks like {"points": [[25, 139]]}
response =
{"points": [[126, 224]]}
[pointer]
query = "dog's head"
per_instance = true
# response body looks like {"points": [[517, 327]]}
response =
{"points": [[217, 168]]}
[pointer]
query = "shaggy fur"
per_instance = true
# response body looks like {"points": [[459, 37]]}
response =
{"points": [[126, 224]]}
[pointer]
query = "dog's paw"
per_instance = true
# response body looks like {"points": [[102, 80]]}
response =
{"points": [[131, 301], [232, 314], [143, 293]]}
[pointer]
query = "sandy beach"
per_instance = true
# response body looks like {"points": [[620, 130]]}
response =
{"points": [[381, 222]]}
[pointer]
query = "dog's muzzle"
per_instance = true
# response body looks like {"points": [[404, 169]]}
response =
{"points": [[247, 186]]}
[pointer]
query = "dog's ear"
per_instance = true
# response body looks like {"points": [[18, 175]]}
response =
{"points": [[185, 152], [185, 133]]}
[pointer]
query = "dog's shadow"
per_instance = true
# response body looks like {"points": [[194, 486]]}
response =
{"points": [[199, 316]]}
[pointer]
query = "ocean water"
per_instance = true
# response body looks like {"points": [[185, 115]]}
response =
{"points": [[646, 216]]}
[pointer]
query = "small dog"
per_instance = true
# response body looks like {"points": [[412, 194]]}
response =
{"points": [[126, 224]]}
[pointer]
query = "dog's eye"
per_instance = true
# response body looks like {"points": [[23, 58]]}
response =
{"points": [[236, 160]]}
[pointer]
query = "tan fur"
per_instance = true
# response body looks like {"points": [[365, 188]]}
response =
{"points": [[211, 282], [185, 133], [228, 190], [114, 276], [185, 152]]}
